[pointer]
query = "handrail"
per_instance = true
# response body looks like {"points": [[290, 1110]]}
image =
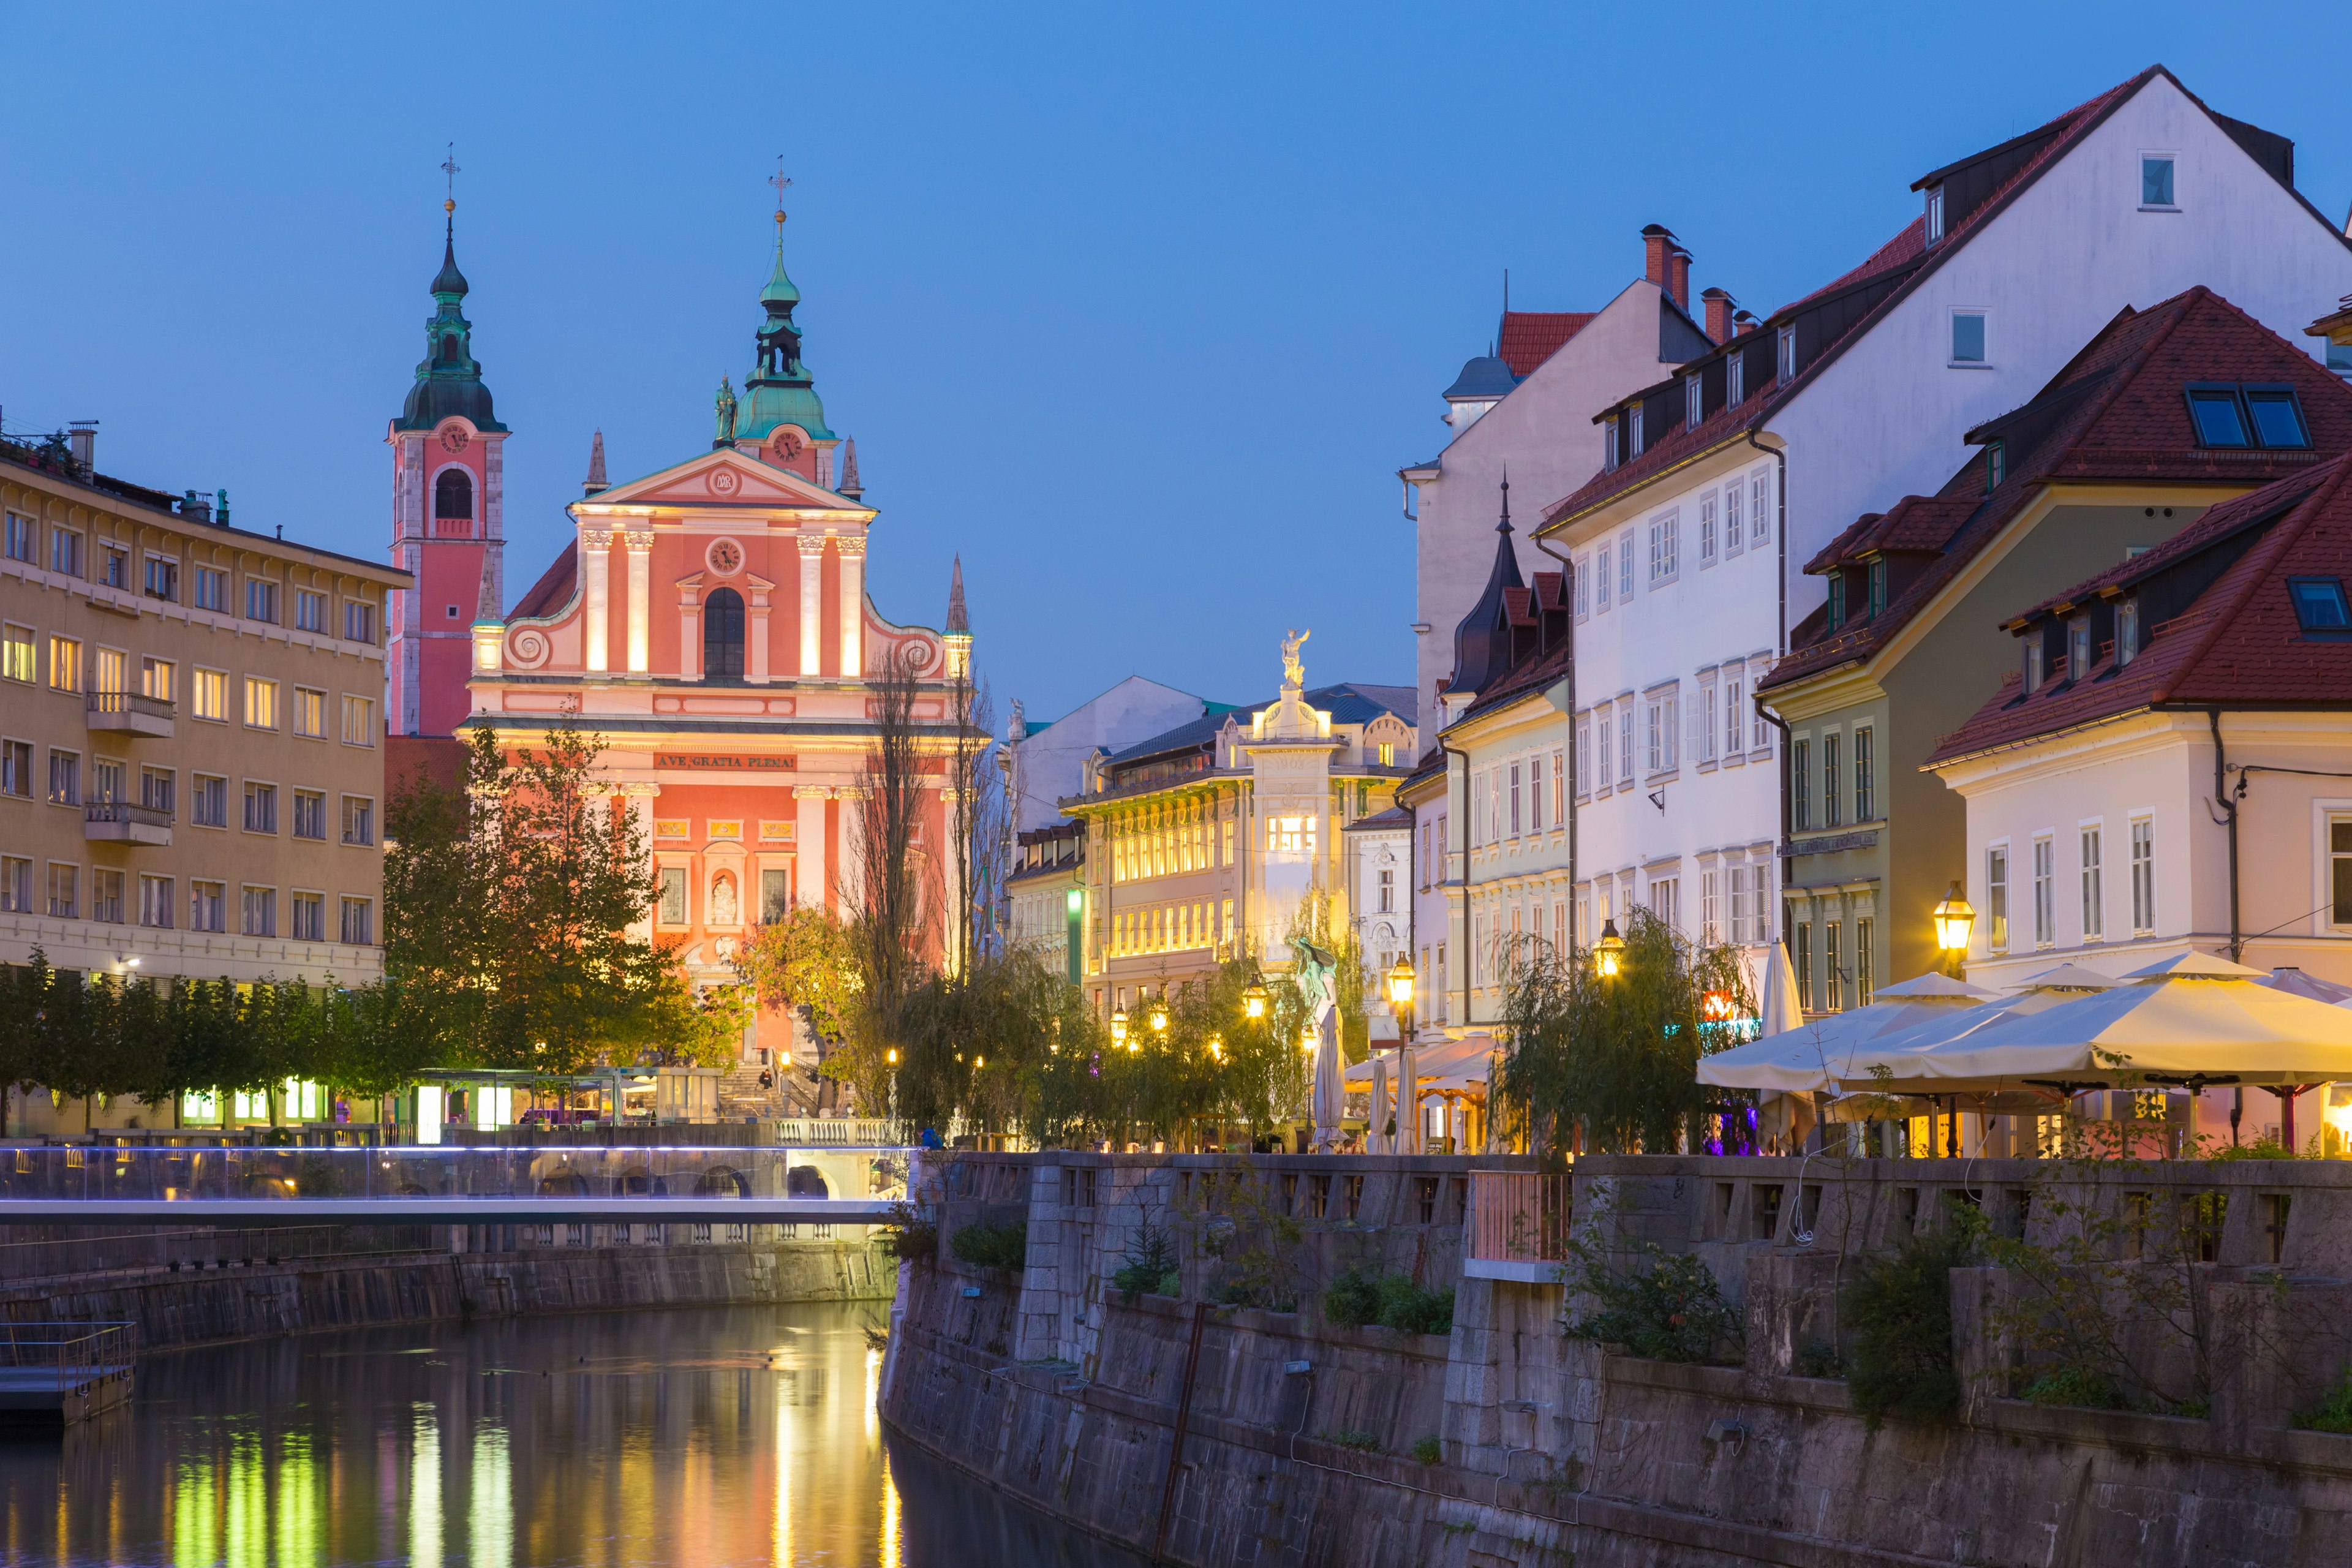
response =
{"points": [[130, 702], [126, 811]]}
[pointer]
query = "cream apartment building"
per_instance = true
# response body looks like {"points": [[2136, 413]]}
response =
{"points": [[192, 774]]}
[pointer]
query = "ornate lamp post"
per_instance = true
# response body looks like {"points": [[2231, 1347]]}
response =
{"points": [[1954, 921], [1399, 979], [1160, 1020], [1119, 1029], [1609, 952], [1253, 1000]]}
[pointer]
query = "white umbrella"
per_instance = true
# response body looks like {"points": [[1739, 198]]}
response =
{"points": [[1377, 1138], [2295, 983], [1408, 1111], [1329, 1088], [1811, 1057]]}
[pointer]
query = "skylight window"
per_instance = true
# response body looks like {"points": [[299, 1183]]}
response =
{"points": [[2265, 415], [2320, 607], [2220, 422], [2278, 416]]}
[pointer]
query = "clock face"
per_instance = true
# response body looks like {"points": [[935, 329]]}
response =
{"points": [[788, 442], [725, 557], [452, 437]]}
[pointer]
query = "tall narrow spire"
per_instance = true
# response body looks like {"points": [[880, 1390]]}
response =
{"points": [[1482, 643], [779, 390], [958, 621], [595, 481], [850, 485], [448, 379]]}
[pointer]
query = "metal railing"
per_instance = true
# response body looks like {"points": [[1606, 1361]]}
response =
{"points": [[73, 1353], [1520, 1216], [101, 812], [108, 703], [208, 1247]]}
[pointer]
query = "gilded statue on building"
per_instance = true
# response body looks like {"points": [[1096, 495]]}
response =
{"points": [[1294, 674]]}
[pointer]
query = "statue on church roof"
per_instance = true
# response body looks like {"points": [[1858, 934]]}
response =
{"points": [[1294, 674], [726, 437]]}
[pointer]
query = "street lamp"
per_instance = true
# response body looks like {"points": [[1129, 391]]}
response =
{"points": [[1119, 1027], [1253, 1000], [1217, 1048], [1954, 919], [1399, 979], [894, 1056], [1609, 952], [1160, 1020]]}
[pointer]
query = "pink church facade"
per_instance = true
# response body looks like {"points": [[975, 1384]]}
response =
{"points": [[710, 621]]}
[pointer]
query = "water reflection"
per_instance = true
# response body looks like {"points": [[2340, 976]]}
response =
{"points": [[745, 1436]]}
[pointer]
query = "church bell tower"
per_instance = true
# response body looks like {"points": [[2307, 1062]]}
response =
{"points": [[448, 526]]}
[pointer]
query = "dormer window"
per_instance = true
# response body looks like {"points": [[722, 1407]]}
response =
{"points": [[1996, 465], [2078, 648], [2126, 632], [2031, 673], [1735, 380], [1877, 588], [1788, 354], [1837, 600], [1693, 401], [1633, 431], [1935, 214], [1609, 458]]}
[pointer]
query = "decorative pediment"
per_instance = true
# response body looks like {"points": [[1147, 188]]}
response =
{"points": [[723, 478]]}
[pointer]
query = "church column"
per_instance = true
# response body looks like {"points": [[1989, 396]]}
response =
{"points": [[641, 577], [951, 885], [755, 633], [848, 873], [596, 593], [808, 837], [811, 599], [640, 797], [853, 606]]}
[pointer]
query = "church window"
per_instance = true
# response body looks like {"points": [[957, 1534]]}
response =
{"points": [[722, 635], [449, 348], [452, 494]]}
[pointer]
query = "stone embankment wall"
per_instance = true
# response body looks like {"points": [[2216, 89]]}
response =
{"points": [[1300, 1437], [187, 1287]]}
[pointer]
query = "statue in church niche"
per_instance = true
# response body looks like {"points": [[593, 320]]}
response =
{"points": [[726, 408], [1294, 674], [722, 901]]}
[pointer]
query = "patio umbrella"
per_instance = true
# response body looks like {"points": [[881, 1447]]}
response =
{"points": [[1328, 1082], [2192, 1019], [2295, 983], [1378, 1139], [1408, 1105], [1809, 1058]]}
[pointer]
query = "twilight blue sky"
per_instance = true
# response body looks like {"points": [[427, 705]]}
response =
{"points": [[1139, 309]]}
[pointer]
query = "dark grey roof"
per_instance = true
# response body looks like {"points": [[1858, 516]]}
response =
{"points": [[1488, 376], [1351, 703], [1394, 817]]}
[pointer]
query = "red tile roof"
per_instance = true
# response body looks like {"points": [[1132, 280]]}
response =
{"points": [[2117, 412], [2239, 644], [1906, 247], [1531, 337], [554, 589]]}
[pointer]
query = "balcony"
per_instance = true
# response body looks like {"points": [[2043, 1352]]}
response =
{"points": [[132, 713], [119, 822]]}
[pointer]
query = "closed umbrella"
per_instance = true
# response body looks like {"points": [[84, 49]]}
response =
{"points": [[1377, 1138], [1408, 1115], [1779, 1013]]}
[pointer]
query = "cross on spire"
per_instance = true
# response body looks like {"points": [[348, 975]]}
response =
{"points": [[782, 185], [449, 168]]}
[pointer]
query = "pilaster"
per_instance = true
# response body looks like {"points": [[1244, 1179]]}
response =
{"points": [[809, 836], [853, 604], [811, 544], [596, 593], [641, 562]]}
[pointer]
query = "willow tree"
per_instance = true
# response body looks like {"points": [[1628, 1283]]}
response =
{"points": [[1613, 1060]]}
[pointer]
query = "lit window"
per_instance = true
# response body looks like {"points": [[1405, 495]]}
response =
{"points": [[156, 679], [209, 694], [310, 714], [65, 664], [260, 703], [1967, 337], [2319, 605], [359, 721], [1997, 897], [16, 653], [2155, 182], [2339, 867]]}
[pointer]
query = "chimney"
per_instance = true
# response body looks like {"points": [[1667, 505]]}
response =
{"points": [[1657, 241], [83, 438], [197, 508], [1678, 270], [1719, 307]]}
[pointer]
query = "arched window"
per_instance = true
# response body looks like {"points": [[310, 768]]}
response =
{"points": [[449, 348], [722, 635], [453, 495]]}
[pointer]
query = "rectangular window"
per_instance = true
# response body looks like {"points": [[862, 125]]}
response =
{"points": [[359, 622], [1865, 791], [2030, 675], [1584, 756], [2094, 902], [309, 611], [359, 721], [1967, 337], [1734, 378], [1832, 970], [258, 912], [775, 893], [260, 600], [208, 695], [310, 814], [1708, 914], [1665, 900], [1625, 747], [2155, 183], [310, 910], [156, 902], [2078, 649], [1388, 891], [1800, 786], [1635, 444], [1581, 571], [155, 789], [208, 802], [1666, 547], [2143, 876], [1654, 750], [211, 589], [1536, 793], [65, 778], [1738, 879], [2278, 416], [309, 713], [1835, 609], [1865, 964], [1625, 565], [20, 537], [1610, 454], [1877, 588], [207, 906], [1731, 717], [65, 552], [162, 579], [672, 911], [1788, 354], [106, 780], [1759, 506], [1801, 960], [359, 820], [2045, 892], [260, 808], [118, 568], [16, 658], [1935, 214], [65, 892], [1559, 786], [16, 885], [1706, 530], [16, 769], [112, 668], [1832, 802], [1602, 598], [260, 703], [156, 678], [1693, 401], [65, 664], [1515, 800]]}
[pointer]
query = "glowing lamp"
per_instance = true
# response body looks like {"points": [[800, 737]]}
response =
{"points": [[1715, 1006], [1401, 984], [1609, 952], [1160, 1020], [1253, 1000], [894, 1056], [1118, 1027], [1954, 919]]}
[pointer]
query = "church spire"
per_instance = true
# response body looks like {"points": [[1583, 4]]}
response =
{"points": [[850, 485], [1482, 643], [779, 390], [448, 379], [958, 621], [596, 481]]}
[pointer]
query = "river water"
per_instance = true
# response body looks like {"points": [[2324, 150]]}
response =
{"points": [[727, 1435]]}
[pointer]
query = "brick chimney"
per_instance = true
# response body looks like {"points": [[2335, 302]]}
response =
{"points": [[1719, 305], [1657, 243], [1678, 274]]}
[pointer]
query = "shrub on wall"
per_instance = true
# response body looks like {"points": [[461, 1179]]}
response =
{"points": [[1899, 1309], [1670, 1310], [1360, 1296], [992, 1246]]}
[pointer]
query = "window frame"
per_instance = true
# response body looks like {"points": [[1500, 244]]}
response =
{"points": [[1953, 317], [2341, 630], [196, 677], [2091, 860], [2142, 838], [263, 792], [256, 686], [197, 780], [1998, 865], [2171, 162]]}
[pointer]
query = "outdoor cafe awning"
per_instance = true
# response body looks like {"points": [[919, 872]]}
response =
{"points": [[1809, 1057]]}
